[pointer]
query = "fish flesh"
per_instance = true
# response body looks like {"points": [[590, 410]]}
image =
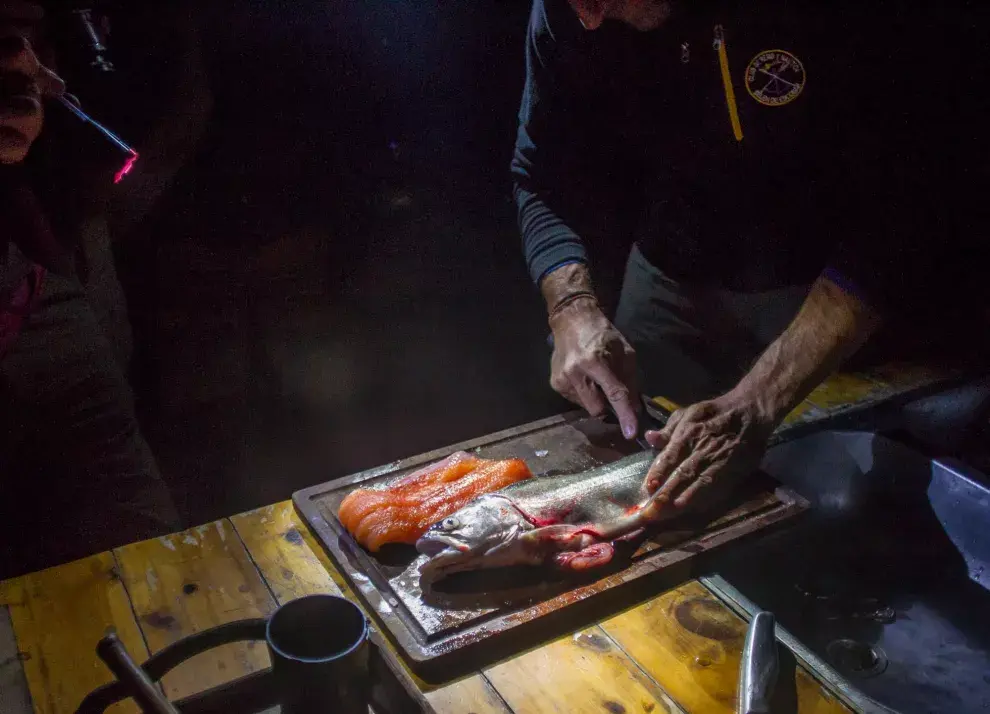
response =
{"points": [[409, 517], [362, 501], [410, 514], [570, 521], [403, 513]]}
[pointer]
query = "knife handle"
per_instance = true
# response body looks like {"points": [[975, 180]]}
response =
{"points": [[760, 665]]}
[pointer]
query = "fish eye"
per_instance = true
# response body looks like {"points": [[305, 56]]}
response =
{"points": [[449, 524]]}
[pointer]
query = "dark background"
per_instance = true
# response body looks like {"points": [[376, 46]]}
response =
{"points": [[334, 280], [333, 277]]}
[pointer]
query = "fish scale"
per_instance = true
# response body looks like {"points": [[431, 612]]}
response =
{"points": [[568, 520], [600, 495]]}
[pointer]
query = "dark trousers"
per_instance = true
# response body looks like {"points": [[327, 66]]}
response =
{"points": [[694, 342], [76, 475]]}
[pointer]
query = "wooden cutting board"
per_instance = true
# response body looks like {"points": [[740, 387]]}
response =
{"points": [[469, 620]]}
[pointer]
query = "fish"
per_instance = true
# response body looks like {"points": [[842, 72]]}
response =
{"points": [[570, 521], [362, 501], [403, 515]]}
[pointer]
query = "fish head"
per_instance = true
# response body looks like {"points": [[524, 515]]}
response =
{"points": [[486, 533]]}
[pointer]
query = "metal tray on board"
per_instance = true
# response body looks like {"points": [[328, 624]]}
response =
{"points": [[466, 620]]}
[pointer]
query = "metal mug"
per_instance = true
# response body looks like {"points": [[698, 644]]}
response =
{"points": [[320, 651]]}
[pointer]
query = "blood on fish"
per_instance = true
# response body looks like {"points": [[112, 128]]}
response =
{"points": [[588, 530], [594, 556], [542, 522]]}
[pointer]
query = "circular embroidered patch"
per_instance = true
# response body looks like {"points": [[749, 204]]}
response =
{"points": [[775, 78]]}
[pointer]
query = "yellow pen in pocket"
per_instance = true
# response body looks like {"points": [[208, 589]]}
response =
{"points": [[730, 93]]}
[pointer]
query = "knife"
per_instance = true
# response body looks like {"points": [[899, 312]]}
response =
{"points": [[648, 419], [759, 666]]}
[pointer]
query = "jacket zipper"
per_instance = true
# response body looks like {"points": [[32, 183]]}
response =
{"points": [[730, 94]]}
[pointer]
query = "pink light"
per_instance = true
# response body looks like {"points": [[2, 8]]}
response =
{"points": [[126, 168]]}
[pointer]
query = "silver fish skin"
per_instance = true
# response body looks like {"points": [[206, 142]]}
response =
{"points": [[550, 518]]}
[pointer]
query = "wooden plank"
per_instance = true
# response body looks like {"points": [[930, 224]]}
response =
{"points": [[293, 564], [473, 694], [903, 376], [691, 644], [844, 390], [58, 616], [188, 582], [803, 412], [285, 552], [583, 673]]}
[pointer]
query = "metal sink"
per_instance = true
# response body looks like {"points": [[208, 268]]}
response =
{"points": [[886, 584]]}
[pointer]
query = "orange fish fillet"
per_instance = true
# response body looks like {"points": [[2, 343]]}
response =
{"points": [[363, 501], [404, 500], [406, 519]]}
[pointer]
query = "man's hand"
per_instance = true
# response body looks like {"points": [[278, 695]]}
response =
{"points": [[709, 446], [24, 81], [706, 449], [592, 362]]}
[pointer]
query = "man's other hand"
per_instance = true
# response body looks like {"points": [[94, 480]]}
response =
{"points": [[592, 362], [24, 81], [705, 450]]}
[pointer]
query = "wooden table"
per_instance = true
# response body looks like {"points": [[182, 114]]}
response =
{"points": [[678, 652]]}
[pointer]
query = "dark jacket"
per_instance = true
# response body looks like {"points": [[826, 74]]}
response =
{"points": [[861, 160]]}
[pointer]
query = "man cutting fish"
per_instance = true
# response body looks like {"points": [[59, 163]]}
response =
{"points": [[783, 171]]}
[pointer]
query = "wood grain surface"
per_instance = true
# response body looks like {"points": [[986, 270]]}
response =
{"points": [[285, 552], [293, 564], [582, 673], [471, 695], [691, 644], [803, 412], [679, 652], [906, 376], [844, 390], [188, 582], [58, 616]]}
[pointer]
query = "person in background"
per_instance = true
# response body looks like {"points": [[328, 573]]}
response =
{"points": [[76, 474], [802, 179]]}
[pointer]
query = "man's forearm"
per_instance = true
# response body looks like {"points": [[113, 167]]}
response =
{"points": [[831, 326], [565, 281]]}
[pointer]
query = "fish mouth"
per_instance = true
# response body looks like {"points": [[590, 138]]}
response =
{"points": [[444, 562], [445, 554], [433, 544]]}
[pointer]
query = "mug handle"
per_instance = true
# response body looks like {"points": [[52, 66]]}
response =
{"points": [[172, 656]]}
